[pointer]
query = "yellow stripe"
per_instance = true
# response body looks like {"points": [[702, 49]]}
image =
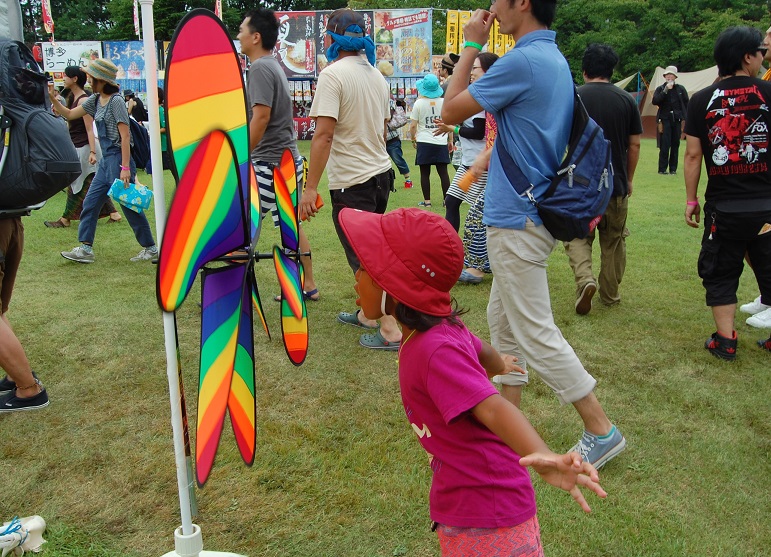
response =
{"points": [[215, 375], [192, 121]]}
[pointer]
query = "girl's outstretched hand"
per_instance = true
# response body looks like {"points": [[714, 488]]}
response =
{"points": [[566, 472]]}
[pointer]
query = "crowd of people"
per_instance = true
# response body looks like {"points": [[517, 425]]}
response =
{"points": [[460, 393]]}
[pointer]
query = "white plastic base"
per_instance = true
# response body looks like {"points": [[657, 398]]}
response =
{"points": [[192, 545]]}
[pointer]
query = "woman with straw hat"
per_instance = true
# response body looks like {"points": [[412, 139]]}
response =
{"points": [[109, 112]]}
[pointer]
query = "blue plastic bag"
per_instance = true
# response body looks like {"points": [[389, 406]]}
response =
{"points": [[136, 197]]}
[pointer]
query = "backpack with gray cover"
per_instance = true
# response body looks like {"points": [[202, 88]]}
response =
{"points": [[38, 158]]}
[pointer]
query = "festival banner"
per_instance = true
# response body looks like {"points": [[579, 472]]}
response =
{"points": [[137, 30], [218, 8], [453, 32], [129, 57], [498, 43], [48, 20], [58, 56], [295, 49], [403, 42]]}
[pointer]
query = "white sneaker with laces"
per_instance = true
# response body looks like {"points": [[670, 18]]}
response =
{"points": [[79, 254], [761, 320], [147, 254], [754, 307]]}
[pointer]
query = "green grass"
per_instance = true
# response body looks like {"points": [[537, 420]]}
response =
{"points": [[338, 471]]}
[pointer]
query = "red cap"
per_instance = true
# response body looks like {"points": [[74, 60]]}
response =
{"points": [[414, 255]]}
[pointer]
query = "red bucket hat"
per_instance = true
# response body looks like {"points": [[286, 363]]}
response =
{"points": [[414, 255]]}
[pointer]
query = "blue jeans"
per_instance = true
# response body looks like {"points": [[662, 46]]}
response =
{"points": [[394, 148], [106, 173]]}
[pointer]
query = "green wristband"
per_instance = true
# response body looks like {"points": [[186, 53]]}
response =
{"points": [[457, 130], [472, 45]]}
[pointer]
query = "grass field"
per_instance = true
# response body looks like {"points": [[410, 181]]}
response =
{"points": [[338, 471]]}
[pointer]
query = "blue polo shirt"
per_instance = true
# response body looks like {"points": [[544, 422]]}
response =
{"points": [[529, 91]]}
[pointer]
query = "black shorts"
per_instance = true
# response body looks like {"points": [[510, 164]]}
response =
{"points": [[721, 260]]}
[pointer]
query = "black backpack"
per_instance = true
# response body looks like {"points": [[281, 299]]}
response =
{"points": [[139, 112], [581, 189], [140, 150], [39, 158]]}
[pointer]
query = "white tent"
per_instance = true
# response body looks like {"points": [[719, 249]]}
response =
{"points": [[692, 81], [624, 82]]}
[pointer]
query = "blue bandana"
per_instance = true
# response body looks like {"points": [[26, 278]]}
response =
{"points": [[351, 44]]}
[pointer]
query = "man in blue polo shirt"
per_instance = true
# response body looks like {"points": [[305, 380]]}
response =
{"points": [[534, 111]]}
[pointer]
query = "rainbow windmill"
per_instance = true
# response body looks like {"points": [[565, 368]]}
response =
{"points": [[214, 218]]}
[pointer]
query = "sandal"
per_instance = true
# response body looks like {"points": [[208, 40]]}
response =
{"points": [[376, 341], [55, 224], [309, 296], [424, 204], [352, 319], [112, 220]]}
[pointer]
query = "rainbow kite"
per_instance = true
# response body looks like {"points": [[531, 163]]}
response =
{"points": [[213, 217]]}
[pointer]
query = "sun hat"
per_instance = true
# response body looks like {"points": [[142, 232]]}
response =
{"points": [[104, 70], [340, 20], [671, 69], [127, 92], [449, 60], [414, 255], [429, 87]]}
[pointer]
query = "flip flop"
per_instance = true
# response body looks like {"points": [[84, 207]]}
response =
{"points": [[468, 278], [376, 341], [352, 319], [309, 296]]}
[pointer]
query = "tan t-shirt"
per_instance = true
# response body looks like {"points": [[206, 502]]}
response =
{"points": [[356, 95]]}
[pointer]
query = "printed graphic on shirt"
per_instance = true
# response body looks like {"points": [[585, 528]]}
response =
{"points": [[737, 120]]}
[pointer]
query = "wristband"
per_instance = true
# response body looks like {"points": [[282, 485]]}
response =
{"points": [[472, 45], [692, 203], [92, 152], [124, 167], [457, 129]]}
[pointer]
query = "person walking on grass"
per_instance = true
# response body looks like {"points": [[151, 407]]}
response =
{"points": [[431, 150], [616, 112], [479, 444], [533, 110], [728, 128], [271, 127], [394, 143], [351, 109], [82, 136], [20, 389], [672, 100], [112, 123], [760, 313]]}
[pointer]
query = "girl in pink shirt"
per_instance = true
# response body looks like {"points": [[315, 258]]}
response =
{"points": [[481, 500]]}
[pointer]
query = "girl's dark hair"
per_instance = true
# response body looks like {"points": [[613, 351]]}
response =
{"points": [[110, 89], [161, 95], [77, 74], [486, 59], [420, 321]]}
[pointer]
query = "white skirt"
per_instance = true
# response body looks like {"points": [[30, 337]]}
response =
{"points": [[85, 167]]}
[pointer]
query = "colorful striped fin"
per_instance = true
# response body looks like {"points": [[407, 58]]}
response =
{"points": [[254, 209], [287, 195], [205, 221], [221, 298], [294, 319], [256, 302], [241, 401]]}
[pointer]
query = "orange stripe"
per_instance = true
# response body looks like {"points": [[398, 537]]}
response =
{"points": [[188, 86]]}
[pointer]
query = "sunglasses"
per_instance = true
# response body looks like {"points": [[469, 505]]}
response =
{"points": [[762, 50]]}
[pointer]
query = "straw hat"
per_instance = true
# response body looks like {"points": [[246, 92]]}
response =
{"points": [[104, 70]]}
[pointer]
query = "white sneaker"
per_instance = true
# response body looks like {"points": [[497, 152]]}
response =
{"points": [[147, 254], [761, 320], [79, 254], [754, 307]]}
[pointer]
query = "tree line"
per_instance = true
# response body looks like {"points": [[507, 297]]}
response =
{"points": [[645, 33]]}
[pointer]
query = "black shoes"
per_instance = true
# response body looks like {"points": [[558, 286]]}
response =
{"points": [[722, 347]]}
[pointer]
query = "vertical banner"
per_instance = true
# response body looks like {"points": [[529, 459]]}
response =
{"points": [[137, 29], [463, 18], [403, 40], [58, 56], [48, 20], [218, 8], [129, 57], [296, 45], [453, 32]]}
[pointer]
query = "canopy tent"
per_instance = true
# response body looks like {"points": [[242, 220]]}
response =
{"points": [[626, 81], [692, 81]]}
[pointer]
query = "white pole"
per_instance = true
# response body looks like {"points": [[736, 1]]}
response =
{"points": [[151, 78]]}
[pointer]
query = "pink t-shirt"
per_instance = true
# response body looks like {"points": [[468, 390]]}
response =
{"points": [[477, 482]]}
